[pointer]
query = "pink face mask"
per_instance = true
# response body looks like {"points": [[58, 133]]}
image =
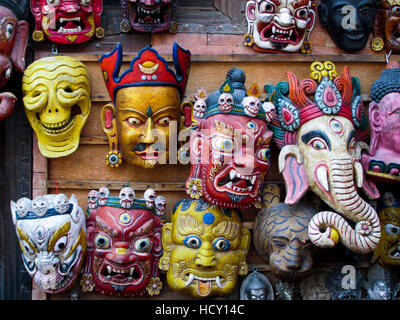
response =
{"points": [[67, 21]]}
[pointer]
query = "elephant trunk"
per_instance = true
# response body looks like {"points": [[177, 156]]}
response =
{"points": [[365, 237], [7, 102]]}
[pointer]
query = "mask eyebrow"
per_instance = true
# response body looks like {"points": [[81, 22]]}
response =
{"points": [[351, 136], [314, 134]]}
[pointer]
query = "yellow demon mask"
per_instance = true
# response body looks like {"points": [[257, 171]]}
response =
{"points": [[57, 103], [205, 249]]}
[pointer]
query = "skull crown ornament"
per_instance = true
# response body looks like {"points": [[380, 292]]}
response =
{"points": [[14, 32], [67, 21], [279, 25], [229, 144], [57, 103], [51, 230], [317, 125], [140, 135], [124, 245]]}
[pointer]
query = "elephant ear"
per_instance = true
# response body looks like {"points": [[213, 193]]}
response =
{"points": [[292, 168], [19, 49]]}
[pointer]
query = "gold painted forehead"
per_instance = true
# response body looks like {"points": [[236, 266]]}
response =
{"points": [[58, 68]]}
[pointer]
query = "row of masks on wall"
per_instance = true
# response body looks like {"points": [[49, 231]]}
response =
{"points": [[273, 26], [318, 123]]}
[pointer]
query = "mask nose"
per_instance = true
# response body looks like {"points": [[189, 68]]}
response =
{"points": [[148, 132], [205, 257]]}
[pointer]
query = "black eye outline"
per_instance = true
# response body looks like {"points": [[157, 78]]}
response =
{"points": [[279, 244], [62, 241], [262, 8]]}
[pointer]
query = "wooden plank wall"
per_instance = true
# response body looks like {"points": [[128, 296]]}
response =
{"points": [[213, 55]]}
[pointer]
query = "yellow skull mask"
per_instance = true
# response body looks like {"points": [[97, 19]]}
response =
{"points": [[57, 103], [205, 249]]}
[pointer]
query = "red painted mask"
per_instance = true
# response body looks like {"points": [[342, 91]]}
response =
{"points": [[147, 15], [124, 245], [229, 149], [14, 32], [67, 21]]}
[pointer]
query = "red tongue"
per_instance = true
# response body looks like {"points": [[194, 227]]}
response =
{"points": [[70, 25]]}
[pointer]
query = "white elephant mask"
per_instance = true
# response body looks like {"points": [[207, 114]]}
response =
{"points": [[317, 126]]}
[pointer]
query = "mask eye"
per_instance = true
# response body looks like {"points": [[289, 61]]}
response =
{"points": [[192, 242], [318, 144], [133, 122], [28, 249], [352, 145], [222, 144], [266, 7], [392, 230], [102, 242], [279, 244], [264, 154], [221, 244], [302, 13], [252, 125], [396, 10], [143, 245], [53, 2], [61, 244], [164, 121], [9, 31]]}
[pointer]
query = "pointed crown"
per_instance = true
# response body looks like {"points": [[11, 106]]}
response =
{"points": [[148, 68], [297, 101]]}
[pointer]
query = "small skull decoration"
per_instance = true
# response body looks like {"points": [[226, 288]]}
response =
{"points": [[126, 197], [160, 205], [225, 100], [252, 103], [200, 106], [150, 197], [93, 199], [269, 109], [22, 207], [61, 203], [103, 195], [40, 206], [388, 199]]}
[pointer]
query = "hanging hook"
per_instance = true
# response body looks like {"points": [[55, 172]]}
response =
{"points": [[387, 56], [54, 49]]}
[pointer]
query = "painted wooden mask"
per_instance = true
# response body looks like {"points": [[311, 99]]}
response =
{"points": [[205, 249], [318, 123], [51, 234], [147, 15], [67, 21], [146, 112], [281, 236], [124, 245], [387, 27], [57, 103], [349, 23], [382, 162], [14, 31], [388, 249], [229, 146], [279, 25]]}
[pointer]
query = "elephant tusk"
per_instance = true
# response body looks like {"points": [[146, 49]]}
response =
{"points": [[322, 177]]}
